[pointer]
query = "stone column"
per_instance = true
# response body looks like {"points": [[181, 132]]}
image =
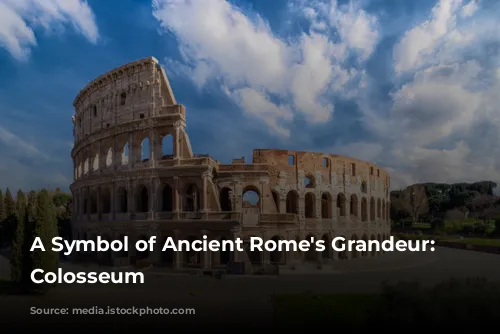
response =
{"points": [[176, 194], [204, 193], [177, 255], [207, 259]]}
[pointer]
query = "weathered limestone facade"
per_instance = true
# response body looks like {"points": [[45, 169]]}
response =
{"points": [[135, 174]]}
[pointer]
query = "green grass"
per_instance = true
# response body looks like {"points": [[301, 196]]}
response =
{"points": [[340, 308]]}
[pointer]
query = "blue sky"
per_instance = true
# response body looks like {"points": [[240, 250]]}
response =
{"points": [[411, 85]]}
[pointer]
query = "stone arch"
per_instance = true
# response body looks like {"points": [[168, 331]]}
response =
{"points": [[93, 201], [276, 199], [121, 200], [95, 162], [167, 198], [341, 204], [125, 154], [251, 197], [254, 256], [123, 98], [354, 251], [364, 187], [191, 198], [374, 249], [310, 205], [225, 199], [326, 252], [167, 146], [372, 208], [354, 205], [141, 255], [276, 256], [224, 255], [292, 202], [343, 255], [106, 200], [326, 205], [309, 181], [364, 209], [192, 257], [168, 255], [142, 199], [145, 150], [379, 208], [365, 253], [109, 157], [311, 254]]}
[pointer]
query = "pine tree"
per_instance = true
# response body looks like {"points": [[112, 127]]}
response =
{"points": [[10, 221], [18, 245], [2, 207], [41, 259]]}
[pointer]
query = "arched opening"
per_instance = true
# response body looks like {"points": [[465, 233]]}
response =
{"points": [[167, 199], [364, 188], [276, 255], [310, 207], [167, 256], [86, 167], [354, 205], [95, 164], [326, 253], [251, 198], [192, 257], [326, 206], [354, 251], [145, 152], [372, 209], [225, 200], [374, 248], [292, 202], [142, 254], [365, 252], [341, 204], [142, 199], [191, 199], [379, 208], [343, 254], [276, 199], [311, 254], [109, 157], [125, 154], [225, 255], [167, 146], [309, 182], [254, 255], [364, 209], [123, 98], [106, 200], [93, 202], [121, 200]]}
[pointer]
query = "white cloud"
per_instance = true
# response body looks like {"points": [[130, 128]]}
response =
{"points": [[218, 41], [19, 19]]}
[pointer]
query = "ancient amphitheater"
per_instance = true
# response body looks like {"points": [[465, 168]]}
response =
{"points": [[135, 174]]}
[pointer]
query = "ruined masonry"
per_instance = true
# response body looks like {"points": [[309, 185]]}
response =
{"points": [[135, 174]]}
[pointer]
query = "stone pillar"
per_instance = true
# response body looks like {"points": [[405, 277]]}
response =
{"points": [[131, 150], [176, 138], [177, 255], [176, 194], [207, 259], [204, 193]]}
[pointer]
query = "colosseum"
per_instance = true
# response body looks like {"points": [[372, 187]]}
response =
{"points": [[136, 175]]}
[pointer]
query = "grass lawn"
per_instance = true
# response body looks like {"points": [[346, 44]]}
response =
{"points": [[340, 309]]}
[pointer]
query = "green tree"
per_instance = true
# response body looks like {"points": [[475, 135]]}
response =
{"points": [[18, 245], [2, 207], [41, 217], [10, 221]]}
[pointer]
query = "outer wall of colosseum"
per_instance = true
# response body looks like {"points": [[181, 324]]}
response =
{"points": [[135, 175]]}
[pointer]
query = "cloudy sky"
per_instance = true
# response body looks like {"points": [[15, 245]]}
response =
{"points": [[413, 86]]}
